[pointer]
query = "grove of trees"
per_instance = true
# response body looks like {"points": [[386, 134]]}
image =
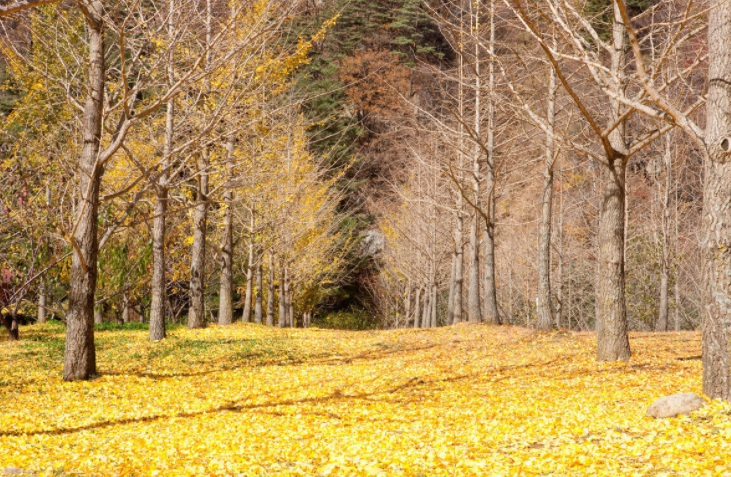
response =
{"points": [[418, 163]]}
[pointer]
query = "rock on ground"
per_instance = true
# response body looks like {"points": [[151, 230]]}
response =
{"points": [[675, 404]]}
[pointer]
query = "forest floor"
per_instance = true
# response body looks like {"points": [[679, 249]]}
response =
{"points": [[461, 400]]}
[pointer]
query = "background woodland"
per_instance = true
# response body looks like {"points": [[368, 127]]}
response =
{"points": [[360, 164]]}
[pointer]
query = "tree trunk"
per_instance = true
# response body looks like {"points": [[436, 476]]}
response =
{"points": [[226, 292], [98, 316], [452, 286], [544, 302], [270, 293], [434, 305], [407, 304], [287, 299], [158, 284], [716, 243], [246, 317], [545, 305], [259, 291], [157, 304], [226, 300], [458, 270], [80, 353], [11, 325], [559, 270], [125, 309], [491, 313], [611, 316], [282, 299], [44, 286], [492, 317], [662, 319], [196, 312], [676, 310], [611, 312], [426, 313], [473, 292], [678, 302], [417, 307], [43, 302]]}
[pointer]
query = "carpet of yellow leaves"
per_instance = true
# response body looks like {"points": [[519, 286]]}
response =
{"points": [[463, 400]]}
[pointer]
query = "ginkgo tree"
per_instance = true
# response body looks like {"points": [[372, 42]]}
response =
{"points": [[120, 83]]}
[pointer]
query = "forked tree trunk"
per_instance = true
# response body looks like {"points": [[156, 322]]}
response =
{"points": [[716, 243], [80, 354], [270, 293], [611, 311], [259, 291], [226, 300]]}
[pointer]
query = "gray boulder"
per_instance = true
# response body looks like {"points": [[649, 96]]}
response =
{"points": [[675, 404]]}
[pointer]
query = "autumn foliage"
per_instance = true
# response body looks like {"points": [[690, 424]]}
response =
{"points": [[251, 400]]}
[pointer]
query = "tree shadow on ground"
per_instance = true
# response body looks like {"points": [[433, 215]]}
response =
{"points": [[234, 406]]}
